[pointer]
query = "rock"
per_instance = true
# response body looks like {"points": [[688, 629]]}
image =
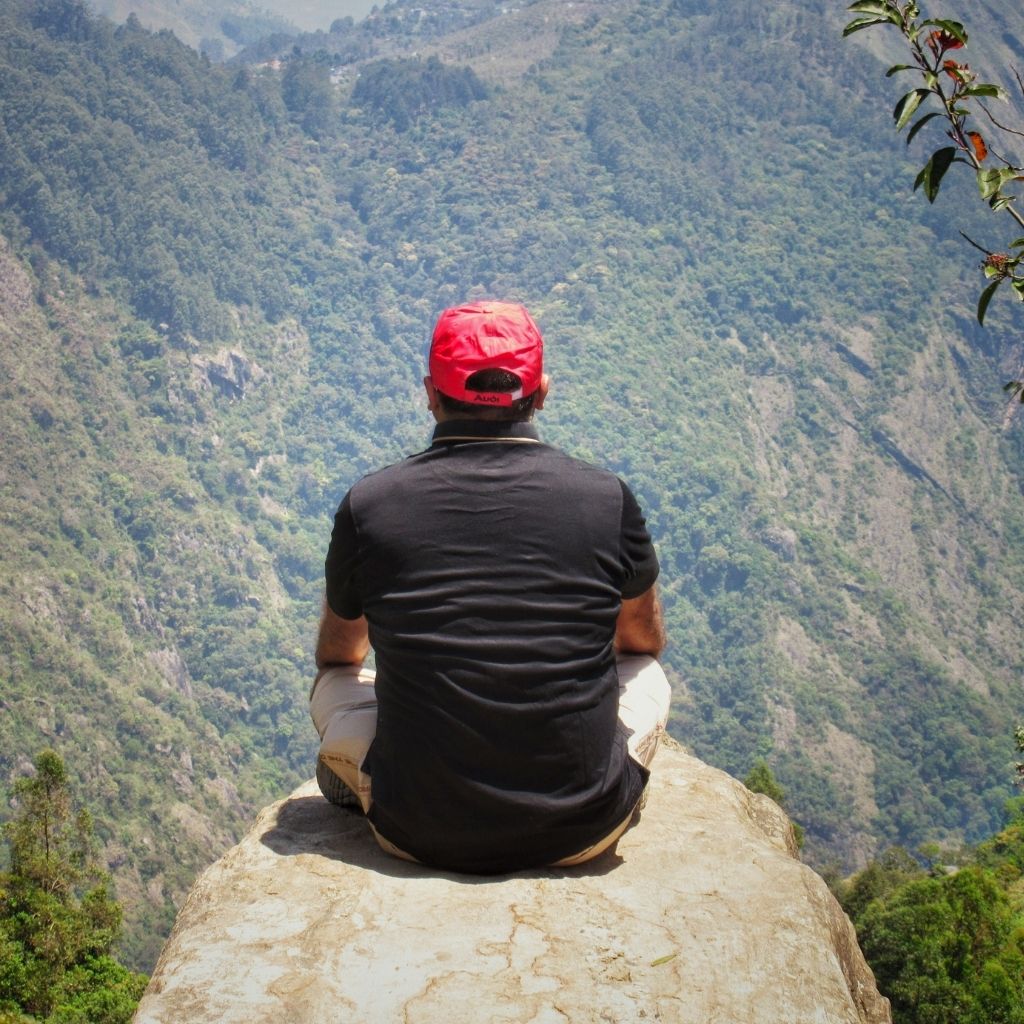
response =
{"points": [[229, 371], [702, 914], [173, 668], [782, 540]]}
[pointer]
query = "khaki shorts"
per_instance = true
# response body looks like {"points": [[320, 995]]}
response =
{"points": [[343, 707]]}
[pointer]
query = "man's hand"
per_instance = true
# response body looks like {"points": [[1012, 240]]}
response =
{"points": [[341, 641], [639, 629]]}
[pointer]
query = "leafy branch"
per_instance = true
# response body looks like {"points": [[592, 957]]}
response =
{"points": [[954, 93]]}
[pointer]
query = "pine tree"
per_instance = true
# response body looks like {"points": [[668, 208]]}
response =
{"points": [[58, 921]]}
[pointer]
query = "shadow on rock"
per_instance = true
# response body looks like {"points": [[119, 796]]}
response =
{"points": [[308, 824]]}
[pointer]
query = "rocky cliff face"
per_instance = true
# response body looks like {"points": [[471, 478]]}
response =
{"points": [[702, 914]]}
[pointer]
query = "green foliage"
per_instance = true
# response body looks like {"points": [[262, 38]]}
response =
{"points": [[761, 780], [879, 880], [946, 950], [58, 922], [952, 84], [139, 188], [402, 90], [946, 945], [307, 93]]}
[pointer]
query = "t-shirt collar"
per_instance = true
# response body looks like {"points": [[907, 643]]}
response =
{"points": [[484, 430]]}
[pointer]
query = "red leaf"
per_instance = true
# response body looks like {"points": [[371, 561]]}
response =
{"points": [[980, 149], [955, 71], [940, 41]]}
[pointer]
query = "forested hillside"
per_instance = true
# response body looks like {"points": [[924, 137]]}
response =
{"points": [[218, 28], [215, 293]]}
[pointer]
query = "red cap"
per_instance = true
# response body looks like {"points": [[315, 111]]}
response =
{"points": [[485, 336]]}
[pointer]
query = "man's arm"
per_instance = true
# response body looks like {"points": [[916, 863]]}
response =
{"points": [[639, 628], [341, 641]]}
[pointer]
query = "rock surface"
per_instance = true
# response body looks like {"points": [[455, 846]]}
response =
{"points": [[702, 914]]}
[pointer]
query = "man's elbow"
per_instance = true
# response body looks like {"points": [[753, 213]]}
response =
{"points": [[640, 628], [651, 644], [657, 642], [341, 641]]}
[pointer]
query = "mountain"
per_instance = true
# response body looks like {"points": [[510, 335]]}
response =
{"points": [[220, 28], [216, 291]]}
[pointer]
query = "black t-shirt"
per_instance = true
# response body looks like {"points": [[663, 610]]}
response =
{"points": [[491, 569]]}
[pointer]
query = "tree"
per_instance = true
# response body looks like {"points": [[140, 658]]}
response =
{"points": [[949, 946], [879, 880], [58, 922], [955, 95], [760, 779], [946, 950], [308, 95]]}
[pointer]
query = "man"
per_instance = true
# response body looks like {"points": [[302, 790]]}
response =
{"points": [[508, 592]]}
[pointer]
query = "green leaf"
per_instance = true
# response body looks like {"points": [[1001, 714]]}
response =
{"points": [[1017, 284], [986, 298], [954, 28], [933, 172], [982, 89], [899, 67], [904, 110], [858, 23], [1017, 243], [885, 12], [1001, 202], [919, 124], [990, 181]]}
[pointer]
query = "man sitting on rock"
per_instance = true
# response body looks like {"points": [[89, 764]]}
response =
{"points": [[508, 592]]}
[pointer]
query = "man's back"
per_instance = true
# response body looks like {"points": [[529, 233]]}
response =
{"points": [[498, 580], [490, 569]]}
